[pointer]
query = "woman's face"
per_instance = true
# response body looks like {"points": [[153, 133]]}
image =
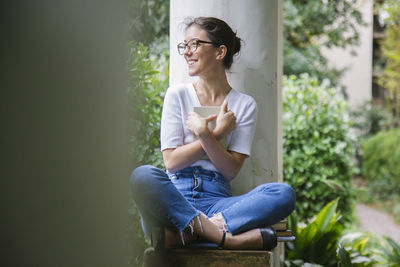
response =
{"points": [[203, 61]]}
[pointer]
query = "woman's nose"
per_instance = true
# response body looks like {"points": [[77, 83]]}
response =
{"points": [[187, 51]]}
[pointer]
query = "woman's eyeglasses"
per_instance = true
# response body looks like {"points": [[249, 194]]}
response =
{"points": [[192, 44]]}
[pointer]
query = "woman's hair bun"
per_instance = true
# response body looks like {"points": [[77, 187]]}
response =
{"points": [[237, 45]]}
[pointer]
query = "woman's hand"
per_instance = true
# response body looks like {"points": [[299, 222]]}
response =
{"points": [[197, 124], [226, 121]]}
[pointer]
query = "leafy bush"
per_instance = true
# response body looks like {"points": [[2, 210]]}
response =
{"points": [[365, 250], [389, 252], [381, 163], [146, 92], [148, 79], [390, 78], [369, 120], [360, 247], [320, 243], [317, 147], [317, 242], [148, 20], [313, 24], [137, 241]]}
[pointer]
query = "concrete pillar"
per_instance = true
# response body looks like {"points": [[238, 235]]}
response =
{"points": [[256, 71]]}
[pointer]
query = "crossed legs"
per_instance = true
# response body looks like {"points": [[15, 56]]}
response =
{"points": [[160, 203], [208, 230]]}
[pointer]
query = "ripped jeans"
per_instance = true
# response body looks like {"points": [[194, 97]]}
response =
{"points": [[175, 200]]}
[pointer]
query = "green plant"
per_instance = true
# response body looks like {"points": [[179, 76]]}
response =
{"points": [[389, 253], [148, 20], [148, 79], [317, 147], [368, 250], [146, 91], [390, 78], [381, 163], [360, 247], [320, 243], [313, 24], [316, 242], [137, 241], [369, 120]]}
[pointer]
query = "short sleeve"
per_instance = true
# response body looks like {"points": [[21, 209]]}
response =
{"points": [[242, 136], [172, 134]]}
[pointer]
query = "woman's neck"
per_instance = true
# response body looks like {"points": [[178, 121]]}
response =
{"points": [[212, 90]]}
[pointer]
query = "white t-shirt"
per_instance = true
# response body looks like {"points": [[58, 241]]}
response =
{"points": [[179, 101]]}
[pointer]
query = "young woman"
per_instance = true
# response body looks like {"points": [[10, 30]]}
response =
{"points": [[192, 199]]}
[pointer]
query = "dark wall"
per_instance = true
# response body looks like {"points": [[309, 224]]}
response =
{"points": [[64, 155]]}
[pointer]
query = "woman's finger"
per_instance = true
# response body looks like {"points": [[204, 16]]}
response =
{"points": [[211, 118], [224, 107]]}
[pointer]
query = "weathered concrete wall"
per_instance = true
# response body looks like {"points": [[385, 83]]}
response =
{"points": [[358, 77], [257, 72]]}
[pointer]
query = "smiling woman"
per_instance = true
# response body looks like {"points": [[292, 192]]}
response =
{"points": [[192, 198]]}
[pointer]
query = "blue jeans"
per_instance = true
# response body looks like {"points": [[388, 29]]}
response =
{"points": [[174, 200]]}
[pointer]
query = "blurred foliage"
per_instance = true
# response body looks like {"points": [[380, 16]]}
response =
{"points": [[361, 248], [146, 92], [389, 253], [315, 243], [312, 24], [367, 120], [317, 147], [148, 20], [148, 80], [365, 250], [390, 78], [321, 243], [390, 204], [137, 241], [148, 67], [381, 163]]}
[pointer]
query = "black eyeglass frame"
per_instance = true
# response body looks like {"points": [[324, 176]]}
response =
{"points": [[198, 41]]}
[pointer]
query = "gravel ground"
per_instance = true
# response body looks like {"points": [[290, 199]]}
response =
{"points": [[377, 222]]}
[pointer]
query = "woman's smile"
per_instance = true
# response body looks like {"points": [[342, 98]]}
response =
{"points": [[190, 62]]}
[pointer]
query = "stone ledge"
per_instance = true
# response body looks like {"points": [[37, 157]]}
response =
{"points": [[206, 257]]}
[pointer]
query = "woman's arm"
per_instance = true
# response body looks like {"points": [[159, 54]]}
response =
{"points": [[228, 163], [183, 156], [176, 159]]}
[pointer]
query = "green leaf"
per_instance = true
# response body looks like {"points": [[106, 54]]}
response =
{"points": [[324, 218], [344, 257], [395, 247], [305, 237], [335, 185]]}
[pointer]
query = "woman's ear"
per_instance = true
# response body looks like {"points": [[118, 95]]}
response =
{"points": [[221, 52]]}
